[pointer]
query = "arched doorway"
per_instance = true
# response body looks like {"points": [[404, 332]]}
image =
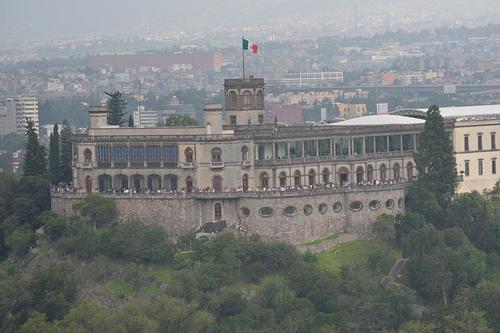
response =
{"points": [[154, 182], [171, 182], [369, 173], [383, 172], [297, 178], [138, 182], [359, 175], [283, 178], [88, 184], [105, 183], [409, 171], [396, 171], [311, 177], [245, 182], [343, 175], [264, 180], [217, 183], [189, 184], [326, 176], [121, 182]]}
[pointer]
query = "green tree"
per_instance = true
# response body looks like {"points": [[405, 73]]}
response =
{"points": [[135, 241], [130, 121], [66, 157], [37, 324], [435, 160], [35, 162], [464, 321], [21, 240], [54, 290], [98, 209], [54, 224], [116, 107], [54, 155], [175, 120], [14, 300]]}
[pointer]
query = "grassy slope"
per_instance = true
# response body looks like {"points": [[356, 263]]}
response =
{"points": [[356, 251]]}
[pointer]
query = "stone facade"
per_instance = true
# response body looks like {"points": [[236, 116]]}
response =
{"points": [[296, 217]]}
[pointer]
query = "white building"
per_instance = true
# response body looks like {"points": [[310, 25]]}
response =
{"points": [[312, 78]]}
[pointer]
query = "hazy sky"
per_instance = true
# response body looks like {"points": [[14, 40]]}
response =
{"points": [[52, 19]]}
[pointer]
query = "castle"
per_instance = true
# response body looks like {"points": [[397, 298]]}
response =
{"points": [[289, 183]]}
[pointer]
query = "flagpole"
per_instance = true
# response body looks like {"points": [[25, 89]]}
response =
{"points": [[243, 56]]}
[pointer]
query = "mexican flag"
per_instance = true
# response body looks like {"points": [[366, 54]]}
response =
{"points": [[248, 46]]}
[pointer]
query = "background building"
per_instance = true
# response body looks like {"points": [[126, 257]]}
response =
{"points": [[308, 79]]}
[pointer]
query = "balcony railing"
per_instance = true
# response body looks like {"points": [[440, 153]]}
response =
{"points": [[187, 165], [333, 158], [246, 164], [216, 164]]}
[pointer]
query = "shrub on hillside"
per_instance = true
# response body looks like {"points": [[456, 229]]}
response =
{"points": [[136, 241]]}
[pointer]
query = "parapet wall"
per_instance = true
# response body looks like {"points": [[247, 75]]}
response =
{"points": [[296, 217]]}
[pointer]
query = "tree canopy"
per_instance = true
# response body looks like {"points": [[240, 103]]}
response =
{"points": [[35, 161], [116, 107]]}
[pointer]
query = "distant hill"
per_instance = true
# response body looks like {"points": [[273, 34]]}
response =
{"points": [[34, 19]]}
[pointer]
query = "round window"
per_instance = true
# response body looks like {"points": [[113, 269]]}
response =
{"points": [[374, 205], [308, 209], [290, 211], [266, 212], [356, 205], [337, 207], [401, 203], [245, 212], [322, 208], [389, 204]]}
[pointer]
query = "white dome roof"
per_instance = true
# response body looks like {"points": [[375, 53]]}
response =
{"points": [[382, 119]]}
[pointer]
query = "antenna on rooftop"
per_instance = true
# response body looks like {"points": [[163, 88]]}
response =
{"points": [[356, 19]]}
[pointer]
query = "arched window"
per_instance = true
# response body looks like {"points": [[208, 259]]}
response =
{"points": [[87, 156], [244, 153], [383, 172], [326, 176], [218, 211], [188, 154], [369, 173], [409, 171], [396, 171], [283, 178], [232, 99], [245, 182], [260, 100], [217, 183], [297, 178], [216, 155], [312, 177], [343, 175], [189, 184], [247, 99], [359, 175], [264, 180], [88, 184]]}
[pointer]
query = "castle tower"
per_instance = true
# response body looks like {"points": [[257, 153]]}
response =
{"points": [[244, 101]]}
